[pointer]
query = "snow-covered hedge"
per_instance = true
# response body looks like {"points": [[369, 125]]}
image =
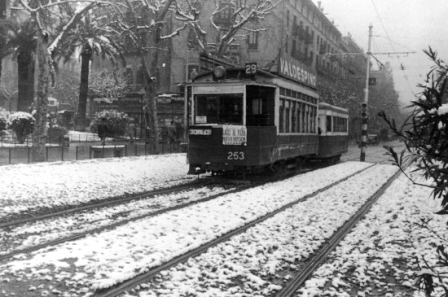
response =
{"points": [[116, 122], [22, 123]]}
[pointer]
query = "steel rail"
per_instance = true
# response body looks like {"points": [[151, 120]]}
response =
{"points": [[211, 180], [114, 225], [320, 256], [138, 280], [108, 202]]}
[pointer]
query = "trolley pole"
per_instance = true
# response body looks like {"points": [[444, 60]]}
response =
{"points": [[364, 104]]}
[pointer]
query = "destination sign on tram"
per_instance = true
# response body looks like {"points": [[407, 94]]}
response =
{"points": [[200, 131]]}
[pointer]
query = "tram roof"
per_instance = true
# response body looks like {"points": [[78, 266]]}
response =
{"points": [[239, 75], [326, 106]]}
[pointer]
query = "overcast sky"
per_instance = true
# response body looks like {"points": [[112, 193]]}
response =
{"points": [[398, 26]]}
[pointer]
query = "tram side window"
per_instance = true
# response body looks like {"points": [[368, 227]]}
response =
{"points": [[307, 119], [219, 109], [282, 115], [293, 117], [313, 119], [260, 106], [303, 120], [340, 124], [329, 124]]}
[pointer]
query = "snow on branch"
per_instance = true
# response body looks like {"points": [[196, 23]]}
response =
{"points": [[240, 13], [75, 18]]}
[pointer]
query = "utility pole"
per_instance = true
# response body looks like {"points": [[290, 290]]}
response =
{"points": [[366, 99], [364, 117]]}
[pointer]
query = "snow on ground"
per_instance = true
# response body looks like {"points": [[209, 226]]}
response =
{"points": [[35, 233], [110, 257], [378, 258], [285, 241], [383, 243], [27, 187]]}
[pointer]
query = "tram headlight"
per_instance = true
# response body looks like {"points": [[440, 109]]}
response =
{"points": [[219, 72]]}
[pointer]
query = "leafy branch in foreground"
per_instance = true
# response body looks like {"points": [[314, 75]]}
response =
{"points": [[425, 131], [425, 134]]}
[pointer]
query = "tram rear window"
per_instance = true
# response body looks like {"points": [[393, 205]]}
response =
{"points": [[219, 109]]}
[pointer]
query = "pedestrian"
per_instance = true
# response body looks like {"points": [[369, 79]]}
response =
{"points": [[131, 131], [103, 130], [172, 135]]}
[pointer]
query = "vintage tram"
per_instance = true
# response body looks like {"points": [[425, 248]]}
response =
{"points": [[241, 121]]}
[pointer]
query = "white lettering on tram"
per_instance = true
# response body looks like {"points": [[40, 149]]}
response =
{"points": [[297, 73]]}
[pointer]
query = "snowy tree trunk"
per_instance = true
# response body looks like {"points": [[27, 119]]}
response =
{"points": [[151, 103], [41, 104], [83, 90], [25, 67]]}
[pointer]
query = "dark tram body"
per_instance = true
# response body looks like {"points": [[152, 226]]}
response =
{"points": [[240, 122]]}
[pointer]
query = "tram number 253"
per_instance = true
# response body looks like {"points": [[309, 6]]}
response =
{"points": [[235, 156]]}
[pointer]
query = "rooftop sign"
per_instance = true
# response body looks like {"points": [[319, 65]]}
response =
{"points": [[296, 71]]}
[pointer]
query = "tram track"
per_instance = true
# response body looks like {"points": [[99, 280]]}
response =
{"points": [[153, 213], [95, 204], [255, 181], [319, 257], [145, 277]]}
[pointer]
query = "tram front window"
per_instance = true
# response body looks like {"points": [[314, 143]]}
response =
{"points": [[219, 109]]}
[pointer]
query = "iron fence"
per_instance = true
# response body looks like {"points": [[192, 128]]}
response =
{"points": [[53, 153]]}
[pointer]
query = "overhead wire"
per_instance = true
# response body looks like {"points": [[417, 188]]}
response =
{"points": [[393, 47]]}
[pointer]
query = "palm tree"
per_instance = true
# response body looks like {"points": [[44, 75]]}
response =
{"points": [[89, 39], [20, 42]]}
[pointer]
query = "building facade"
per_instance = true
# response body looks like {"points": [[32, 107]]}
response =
{"points": [[296, 40]]}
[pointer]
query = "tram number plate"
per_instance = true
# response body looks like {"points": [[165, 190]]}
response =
{"points": [[235, 156]]}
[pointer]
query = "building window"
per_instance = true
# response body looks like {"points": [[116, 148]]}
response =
{"points": [[224, 16], [252, 40]]}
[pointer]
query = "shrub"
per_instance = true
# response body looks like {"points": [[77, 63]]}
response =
{"points": [[116, 122], [425, 134], [22, 123]]}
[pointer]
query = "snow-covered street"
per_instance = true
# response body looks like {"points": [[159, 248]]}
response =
{"points": [[252, 263], [26, 188]]}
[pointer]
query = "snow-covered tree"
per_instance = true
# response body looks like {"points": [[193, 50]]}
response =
{"points": [[20, 44], [144, 25], [54, 20], [89, 39], [230, 20]]}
